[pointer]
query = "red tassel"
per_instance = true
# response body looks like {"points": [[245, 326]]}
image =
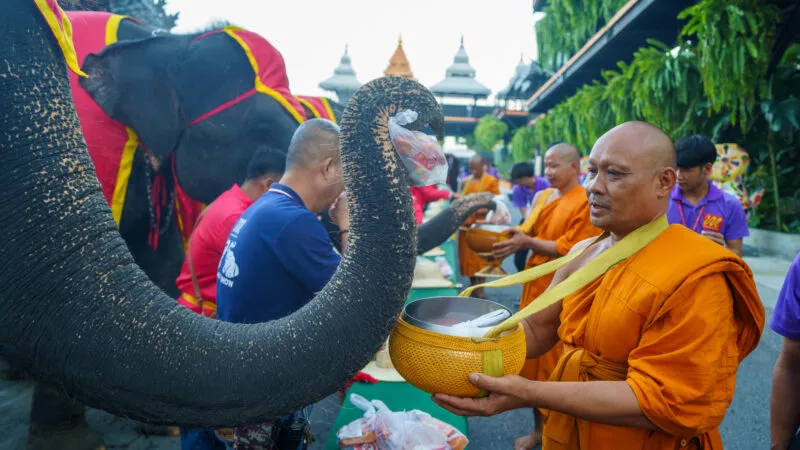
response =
{"points": [[361, 377], [159, 199]]}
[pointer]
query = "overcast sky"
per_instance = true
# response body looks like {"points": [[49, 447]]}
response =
{"points": [[311, 34]]}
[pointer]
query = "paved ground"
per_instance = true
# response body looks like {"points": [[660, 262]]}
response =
{"points": [[746, 425]]}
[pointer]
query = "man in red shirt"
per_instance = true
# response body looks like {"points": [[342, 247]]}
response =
{"points": [[208, 239]]}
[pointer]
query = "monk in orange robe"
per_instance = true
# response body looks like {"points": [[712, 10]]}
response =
{"points": [[652, 345], [559, 220], [469, 262]]}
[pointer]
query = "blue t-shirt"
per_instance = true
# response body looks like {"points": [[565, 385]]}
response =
{"points": [[277, 257]]}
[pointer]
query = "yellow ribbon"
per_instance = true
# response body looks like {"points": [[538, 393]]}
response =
{"points": [[623, 249], [530, 221], [61, 31]]}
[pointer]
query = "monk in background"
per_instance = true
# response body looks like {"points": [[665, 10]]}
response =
{"points": [[479, 181], [558, 221], [660, 335]]}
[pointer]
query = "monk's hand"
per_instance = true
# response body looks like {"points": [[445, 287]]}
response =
{"points": [[513, 244], [714, 236], [505, 393]]}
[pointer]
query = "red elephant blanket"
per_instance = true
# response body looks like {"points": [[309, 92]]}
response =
{"points": [[319, 106], [111, 144]]}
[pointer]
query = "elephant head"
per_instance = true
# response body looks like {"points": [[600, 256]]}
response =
{"points": [[76, 312], [209, 99]]}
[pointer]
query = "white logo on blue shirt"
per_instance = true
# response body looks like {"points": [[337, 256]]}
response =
{"points": [[228, 267]]}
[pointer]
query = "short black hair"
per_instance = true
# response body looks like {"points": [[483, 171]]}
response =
{"points": [[695, 151], [523, 169], [266, 160]]}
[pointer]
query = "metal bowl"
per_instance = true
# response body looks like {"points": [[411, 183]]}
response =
{"points": [[437, 314]]}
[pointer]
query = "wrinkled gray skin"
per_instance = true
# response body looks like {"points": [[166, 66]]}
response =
{"points": [[435, 231], [78, 314]]}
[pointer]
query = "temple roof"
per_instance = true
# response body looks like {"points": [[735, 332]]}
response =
{"points": [[344, 77], [527, 78], [460, 79], [398, 63]]}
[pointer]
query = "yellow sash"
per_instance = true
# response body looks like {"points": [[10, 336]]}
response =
{"points": [[530, 221], [623, 249], [468, 181]]}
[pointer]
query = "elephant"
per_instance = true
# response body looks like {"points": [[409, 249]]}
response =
{"points": [[80, 315], [191, 111]]}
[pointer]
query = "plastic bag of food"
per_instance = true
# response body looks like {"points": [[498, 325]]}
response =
{"points": [[420, 153], [501, 215], [383, 429]]}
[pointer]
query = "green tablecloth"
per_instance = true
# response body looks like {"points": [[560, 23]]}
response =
{"points": [[402, 396]]}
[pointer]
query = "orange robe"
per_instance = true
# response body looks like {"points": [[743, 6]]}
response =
{"points": [[566, 221], [673, 321], [469, 262]]}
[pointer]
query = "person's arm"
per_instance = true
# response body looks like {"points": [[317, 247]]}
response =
{"points": [[785, 406], [736, 229], [432, 193], [735, 245]]}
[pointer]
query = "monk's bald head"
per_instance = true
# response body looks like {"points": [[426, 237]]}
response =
{"points": [[562, 166], [476, 166], [314, 141], [644, 143], [565, 152], [631, 174]]}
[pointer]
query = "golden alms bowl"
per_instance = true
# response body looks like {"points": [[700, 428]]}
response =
{"points": [[481, 238], [436, 362]]}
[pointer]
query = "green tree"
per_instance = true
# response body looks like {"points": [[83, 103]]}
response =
{"points": [[522, 144], [168, 21], [489, 132]]}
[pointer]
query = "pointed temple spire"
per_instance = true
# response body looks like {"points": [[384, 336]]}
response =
{"points": [[460, 79], [398, 63], [343, 82]]}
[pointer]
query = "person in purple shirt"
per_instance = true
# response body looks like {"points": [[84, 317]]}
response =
{"points": [[490, 169], [699, 205], [526, 185], [785, 409]]}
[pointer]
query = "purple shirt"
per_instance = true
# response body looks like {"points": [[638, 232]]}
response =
{"points": [[521, 196], [717, 211], [786, 318], [494, 172]]}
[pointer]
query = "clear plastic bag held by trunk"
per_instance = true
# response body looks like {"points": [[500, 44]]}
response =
{"points": [[420, 153], [383, 429], [501, 215]]}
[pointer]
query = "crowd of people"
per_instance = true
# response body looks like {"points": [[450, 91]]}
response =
{"points": [[662, 331]]}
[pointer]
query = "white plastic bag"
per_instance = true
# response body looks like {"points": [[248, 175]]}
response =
{"points": [[444, 267], [420, 153], [501, 215], [383, 429]]}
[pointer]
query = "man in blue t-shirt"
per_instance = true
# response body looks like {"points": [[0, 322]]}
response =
{"points": [[278, 255]]}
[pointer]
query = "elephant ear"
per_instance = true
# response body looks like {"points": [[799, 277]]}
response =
{"points": [[132, 82]]}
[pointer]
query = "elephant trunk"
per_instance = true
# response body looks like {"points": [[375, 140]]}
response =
{"points": [[437, 230], [77, 313]]}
